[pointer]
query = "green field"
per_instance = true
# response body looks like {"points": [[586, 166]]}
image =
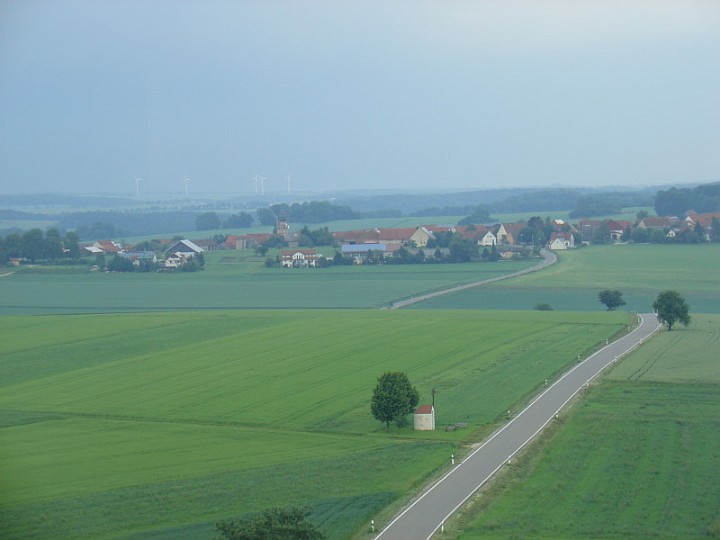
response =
{"points": [[640, 271], [157, 425], [239, 280], [639, 458], [231, 282]]}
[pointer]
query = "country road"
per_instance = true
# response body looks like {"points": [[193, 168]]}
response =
{"points": [[428, 513], [548, 258]]}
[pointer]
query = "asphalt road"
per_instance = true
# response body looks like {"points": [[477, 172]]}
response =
{"points": [[548, 258], [427, 514]]}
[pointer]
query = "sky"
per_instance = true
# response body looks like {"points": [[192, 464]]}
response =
{"points": [[394, 95]]}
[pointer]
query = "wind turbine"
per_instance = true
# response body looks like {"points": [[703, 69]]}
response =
{"points": [[288, 180], [256, 178], [262, 185], [186, 186], [137, 186]]}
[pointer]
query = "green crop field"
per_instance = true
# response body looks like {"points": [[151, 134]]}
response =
{"points": [[638, 458], [231, 282], [640, 271], [157, 425]]}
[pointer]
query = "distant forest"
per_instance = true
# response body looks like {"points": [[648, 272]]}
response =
{"points": [[477, 206]]}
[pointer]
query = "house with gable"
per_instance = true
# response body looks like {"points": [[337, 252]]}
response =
{"points": [[299, 258], [561, 241], [508, 233], [487, 239], [617, 228], [400, 236], [480, 234], [185, 247], [180, 252], [705, 221], [421, 237]]}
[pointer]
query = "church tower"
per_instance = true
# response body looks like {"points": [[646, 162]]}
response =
{"points": [[282, 227]]}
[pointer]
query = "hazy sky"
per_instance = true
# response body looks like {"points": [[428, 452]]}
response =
{"points": [[356, 94]]}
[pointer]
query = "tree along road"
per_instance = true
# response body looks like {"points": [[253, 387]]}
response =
{"points": [[430, 510], [548, 258]]}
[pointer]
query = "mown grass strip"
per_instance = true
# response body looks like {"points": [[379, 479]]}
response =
{"points": [[637, 459]]}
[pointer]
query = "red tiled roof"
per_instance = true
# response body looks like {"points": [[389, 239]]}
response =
{"points": [[705, 220], [424, 409], [396, 234], [364, 236], [474, 234], [108, 246], [617, 225]]}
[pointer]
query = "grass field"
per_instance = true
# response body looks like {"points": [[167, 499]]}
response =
{"points": [[640, 271], [230, 282], [639, 458], [157, 425]]}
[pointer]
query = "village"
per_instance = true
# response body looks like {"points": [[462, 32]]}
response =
{"points": [[498, 241]]}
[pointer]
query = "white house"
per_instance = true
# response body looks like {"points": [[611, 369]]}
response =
{"points": [[299, 258], [487, 239], [561, 240], [424, 418]]}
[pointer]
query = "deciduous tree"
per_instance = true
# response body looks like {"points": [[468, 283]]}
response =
{"points": [[611, 298], [671, 308], [393, 398], [207, 221]]}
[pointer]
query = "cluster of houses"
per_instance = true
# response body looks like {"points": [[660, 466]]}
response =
{"points": [[673, 226], [176, 255], [359, 245]]}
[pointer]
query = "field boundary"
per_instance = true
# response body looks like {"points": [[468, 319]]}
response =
{"points": [[549, 258], [428, 513]]}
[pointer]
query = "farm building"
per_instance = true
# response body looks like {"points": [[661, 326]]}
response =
{"points": [[424, 418], [359, 252], [186, 247]]}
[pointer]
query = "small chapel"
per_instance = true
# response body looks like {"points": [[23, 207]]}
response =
{"points": [[424, 418]]}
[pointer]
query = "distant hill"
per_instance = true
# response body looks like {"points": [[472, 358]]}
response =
{"points": [[584, 201]]}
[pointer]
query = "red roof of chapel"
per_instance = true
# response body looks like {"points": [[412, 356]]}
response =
{"points": [[424, 409]]}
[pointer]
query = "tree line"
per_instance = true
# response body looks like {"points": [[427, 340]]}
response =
{"points": [[675, 202], [34, 245]]}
